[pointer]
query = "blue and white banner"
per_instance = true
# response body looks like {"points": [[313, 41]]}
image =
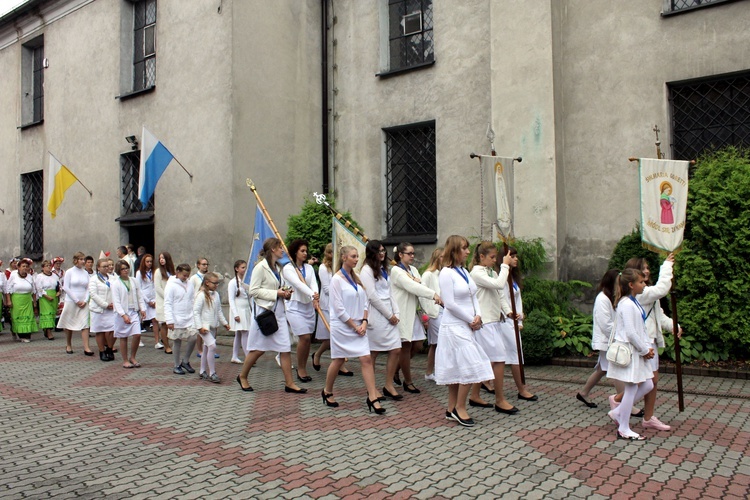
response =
{"points": [[155, 158], [261, 232]]}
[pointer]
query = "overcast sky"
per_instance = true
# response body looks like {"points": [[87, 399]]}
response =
{"points": [[8, 5]]}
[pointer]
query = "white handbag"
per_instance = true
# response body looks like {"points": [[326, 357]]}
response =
{"points": [[618, 353]]}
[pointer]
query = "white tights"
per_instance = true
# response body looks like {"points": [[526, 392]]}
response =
{"points": [[240, 340], [632, 394]]}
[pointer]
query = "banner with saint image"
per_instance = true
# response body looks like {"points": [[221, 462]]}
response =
{"points": [[497, 174], [664, 192]]}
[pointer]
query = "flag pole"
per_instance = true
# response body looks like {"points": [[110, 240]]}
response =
{"points": [[251, 185], [183, 167], [77, 179], [320, 199]]}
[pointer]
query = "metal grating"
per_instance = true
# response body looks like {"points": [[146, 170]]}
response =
{"points": [[32, 200], [689, 4], [129, 170], [144, 44], [709, 115], [411, 190], [407, 50], [38, 83]]}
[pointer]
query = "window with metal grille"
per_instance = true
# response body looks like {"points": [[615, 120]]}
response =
{"points": [[130, 167], [709, 114], [144, 44], [677, 6], [411, 190], [32, 202], [410, 40]]}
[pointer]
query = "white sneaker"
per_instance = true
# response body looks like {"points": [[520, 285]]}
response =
{"points": [[430, 376], [159, 345], [655, 423], [141, 344], [278, 359], [237, 361]]}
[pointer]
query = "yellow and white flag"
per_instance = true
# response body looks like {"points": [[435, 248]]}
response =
{"points": [[497, 174], [59, 179], [342, 237], [664, 192]]}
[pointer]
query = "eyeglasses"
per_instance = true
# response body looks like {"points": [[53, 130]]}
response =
{"points": [[381, 251], [213, 282], [408, 253]]}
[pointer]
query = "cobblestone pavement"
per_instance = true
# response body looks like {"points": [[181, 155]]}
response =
{"points": [[76, 427]]}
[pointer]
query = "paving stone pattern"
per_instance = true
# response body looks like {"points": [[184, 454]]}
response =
{"points": [[76, 427]]}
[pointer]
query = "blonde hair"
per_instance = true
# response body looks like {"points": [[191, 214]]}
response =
{"points": [[328, 256], [206, 291], [436, 260], [452, 253], [345, 250]]}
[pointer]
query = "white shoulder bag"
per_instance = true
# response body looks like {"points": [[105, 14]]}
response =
{"points": [[618, 353]]}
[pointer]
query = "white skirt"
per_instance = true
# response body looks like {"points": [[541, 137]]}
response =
{"points": [[160, 310], [321, 332], [346, 343], [639, 370], [73, 317], [490, 339], [381, 334], [208, 338], [602, 361], [279, 341], [433, 327], [301, 317], [244, 312], [509, 339], [124, 330], [654, 362], [182, 333], [150, 313], [418, 330], [458, 357], [103, 321]]}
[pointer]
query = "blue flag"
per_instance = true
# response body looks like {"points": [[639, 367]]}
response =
{"points": [[155, 158], [261, 231]]}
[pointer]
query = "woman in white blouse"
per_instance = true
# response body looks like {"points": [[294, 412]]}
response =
{"points": [[145, 278], [407, 288], [459, 360], [239, 310], [127, 301], [47, 290], [161, 276], [75, 313], [102, 310], [300, 311], [20, 297], [349, 313], [383, 314]]}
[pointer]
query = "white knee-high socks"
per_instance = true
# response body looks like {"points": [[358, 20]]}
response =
{"points": [[633, 393], [240, 341]]}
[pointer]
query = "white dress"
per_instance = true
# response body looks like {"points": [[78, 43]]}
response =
{"points": [[458, 357], [508, 330], [347, 302], [321, 332], [490, 287], [239, 306], [149, 293], [299, 309], [76, 286], [431, 279], [382, 335], [128, 302], [100, 293], [630, 327], [264, 284], [603, 321], [159, 287]]}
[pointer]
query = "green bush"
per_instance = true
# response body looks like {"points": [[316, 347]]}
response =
{"points": [[538, 334], [313, 223], [692, 349], [631, 246], [713, 269], [573, 335], [552, 297]]}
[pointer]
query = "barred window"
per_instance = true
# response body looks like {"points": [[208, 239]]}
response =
{"points": [[410, 41], [130, 167], [411, 189], [32, 202], [709, 114], [677, 6], [144, 44]]}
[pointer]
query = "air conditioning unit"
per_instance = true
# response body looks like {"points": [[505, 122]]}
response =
{"points": [[412, 23]]}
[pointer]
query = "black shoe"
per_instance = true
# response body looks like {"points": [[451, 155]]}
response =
{"points": [[246, 389], [395, 397], [103, 356], [532, 398], [371, 406], [469, 422], [448, 415], [295, 391], [480, 405], [68, 351], [511, 411], [178, 371], [306, 378], [332, 404], [638, 415], [315, 367], [491, 391], [346, 374], [187, 367], [88, 353], [413, 389], [110, 354], [396, 379], [583, 400]]}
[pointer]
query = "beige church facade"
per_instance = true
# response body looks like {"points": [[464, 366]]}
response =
{"points": [[380, 102]]}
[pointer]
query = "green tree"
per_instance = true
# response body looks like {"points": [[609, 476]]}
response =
{"points": [[313, 223]]}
